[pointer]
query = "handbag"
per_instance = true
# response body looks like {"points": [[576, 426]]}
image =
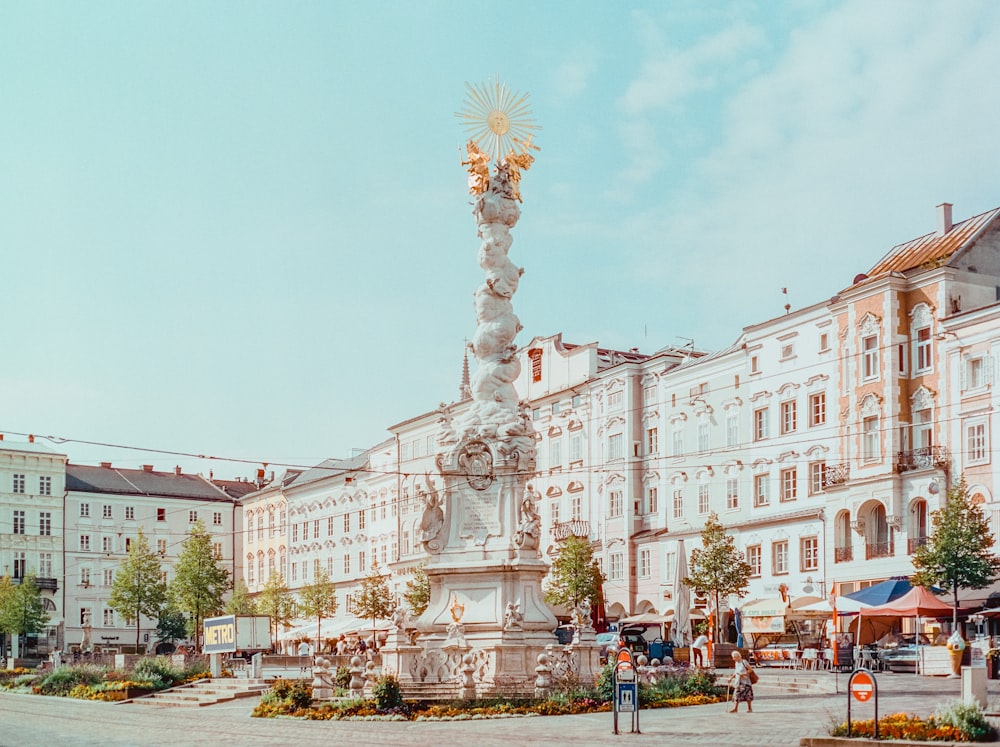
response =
{"points": [[752, 675]]}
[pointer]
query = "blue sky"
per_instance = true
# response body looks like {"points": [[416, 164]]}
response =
{"points": [[242, 229]]}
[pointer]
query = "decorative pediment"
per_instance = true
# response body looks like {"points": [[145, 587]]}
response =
{"points": [[871, 406], [732, 467], [763, 394], [614, 478], [679, 417], [787, 389], [869, 325], [650, 415], [922, 399], [555, 431], [574, 424], [651, 476], [815, 382], [703, 474], [702, 408], [786, 456], [732, 404], [760, 465], [817, 451], [921, 315], [678, 478], [554, 491], [613, 421], [575, 486]]}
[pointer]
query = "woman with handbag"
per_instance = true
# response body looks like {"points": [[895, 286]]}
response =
{"points": [[744, 677]]}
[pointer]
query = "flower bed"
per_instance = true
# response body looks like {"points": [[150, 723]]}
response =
{"points": [[955, 722]]}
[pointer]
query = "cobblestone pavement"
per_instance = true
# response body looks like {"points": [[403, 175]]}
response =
{"points": [[27, 720]]}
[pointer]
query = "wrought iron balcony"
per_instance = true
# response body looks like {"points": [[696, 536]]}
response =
{"points": [[836, 474], [879, 550], [913, 543], [843, 554], [41, 582], [575, 528], [926, 457]]}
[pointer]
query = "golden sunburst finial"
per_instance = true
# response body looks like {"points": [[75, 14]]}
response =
{"points": [[495, 117]]}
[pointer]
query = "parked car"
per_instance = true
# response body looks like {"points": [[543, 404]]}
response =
{"points": [[628, 637], [903, 655]]}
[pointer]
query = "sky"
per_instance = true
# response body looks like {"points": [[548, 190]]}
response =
{"points": [[242, 229]]}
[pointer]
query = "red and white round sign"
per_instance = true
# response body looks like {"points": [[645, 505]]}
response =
{"points": [[862, 686]]}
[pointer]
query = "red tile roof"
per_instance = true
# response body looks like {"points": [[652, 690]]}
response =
{"points": [[933, 250]]}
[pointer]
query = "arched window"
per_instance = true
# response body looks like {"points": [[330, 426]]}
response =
{"points": [[918, 525]]}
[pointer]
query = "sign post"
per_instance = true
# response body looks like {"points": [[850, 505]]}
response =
{"points": [[219, 634], [862, 688], [625, 694]]}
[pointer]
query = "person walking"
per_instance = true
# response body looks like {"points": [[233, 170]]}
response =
{"points": [[742, 680], [698, 651]]}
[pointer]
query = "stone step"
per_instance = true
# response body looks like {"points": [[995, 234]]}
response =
{"points": [[205, 693]]}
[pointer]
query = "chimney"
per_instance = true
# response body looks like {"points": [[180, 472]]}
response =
{"points": [[106, 465], [177, 470], [1, 437], [944, 218], [31, 439], [147, 468]]}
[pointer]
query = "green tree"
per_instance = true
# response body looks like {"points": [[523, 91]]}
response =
{"points": [[374, 599], [138, 588], [418, 591], [171, 625], [319, 600], [959, 550], [200, 582], [574, 576], [717, 567], [21, 609], [241, 603], [277, 602]]}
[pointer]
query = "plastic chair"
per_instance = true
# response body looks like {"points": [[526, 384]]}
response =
{"points": [[826, 661], [810, 658]]}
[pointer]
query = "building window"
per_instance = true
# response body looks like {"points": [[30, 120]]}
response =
{"points": [[555, 452], [20, 564], [615, 506], [347, 523], [732, 428], [260, 569], [316, 529], [45, 524], [652, 500], [617, 566], [85, 577], [161, 547], [645, 566], [817, 477], [217, 519], [535, 354], [677, 448], [975, 373], [760, 488], [976, 446], [702, 499], [824, 342], [576, 507], [817, 409], [615, 401], [193, 517], [217, 550], [760, 424], [45, 485], [754, 364], [732, 493], [809, 553], [106, 513], [678, 503], [250, 578], [753, 558], [18, 483], [305, 527], [295, 532], [575, 448], [109, 577], [161, 514], [554, 511], [787, 351], [870, 439], [84, 510], [789, 484], [649, 394], [45, 565], [329, 526], [361, 522], [106, 545], [869, 355], [362, 557], [109, 618], [615, 450], [703, 435], [652, 440], [779, 557], [18, 521], [922, 351], [789, 416], [129, 513], [85, 542]]}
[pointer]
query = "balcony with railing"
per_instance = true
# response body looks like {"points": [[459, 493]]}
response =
{"points": [[41, 582], [843, 554], [926, 457], [913, 543], [836, 474], [879, 550], [575, 528]]}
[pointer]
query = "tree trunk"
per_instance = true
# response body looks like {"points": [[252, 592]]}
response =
{"points": [[954, 608]]}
